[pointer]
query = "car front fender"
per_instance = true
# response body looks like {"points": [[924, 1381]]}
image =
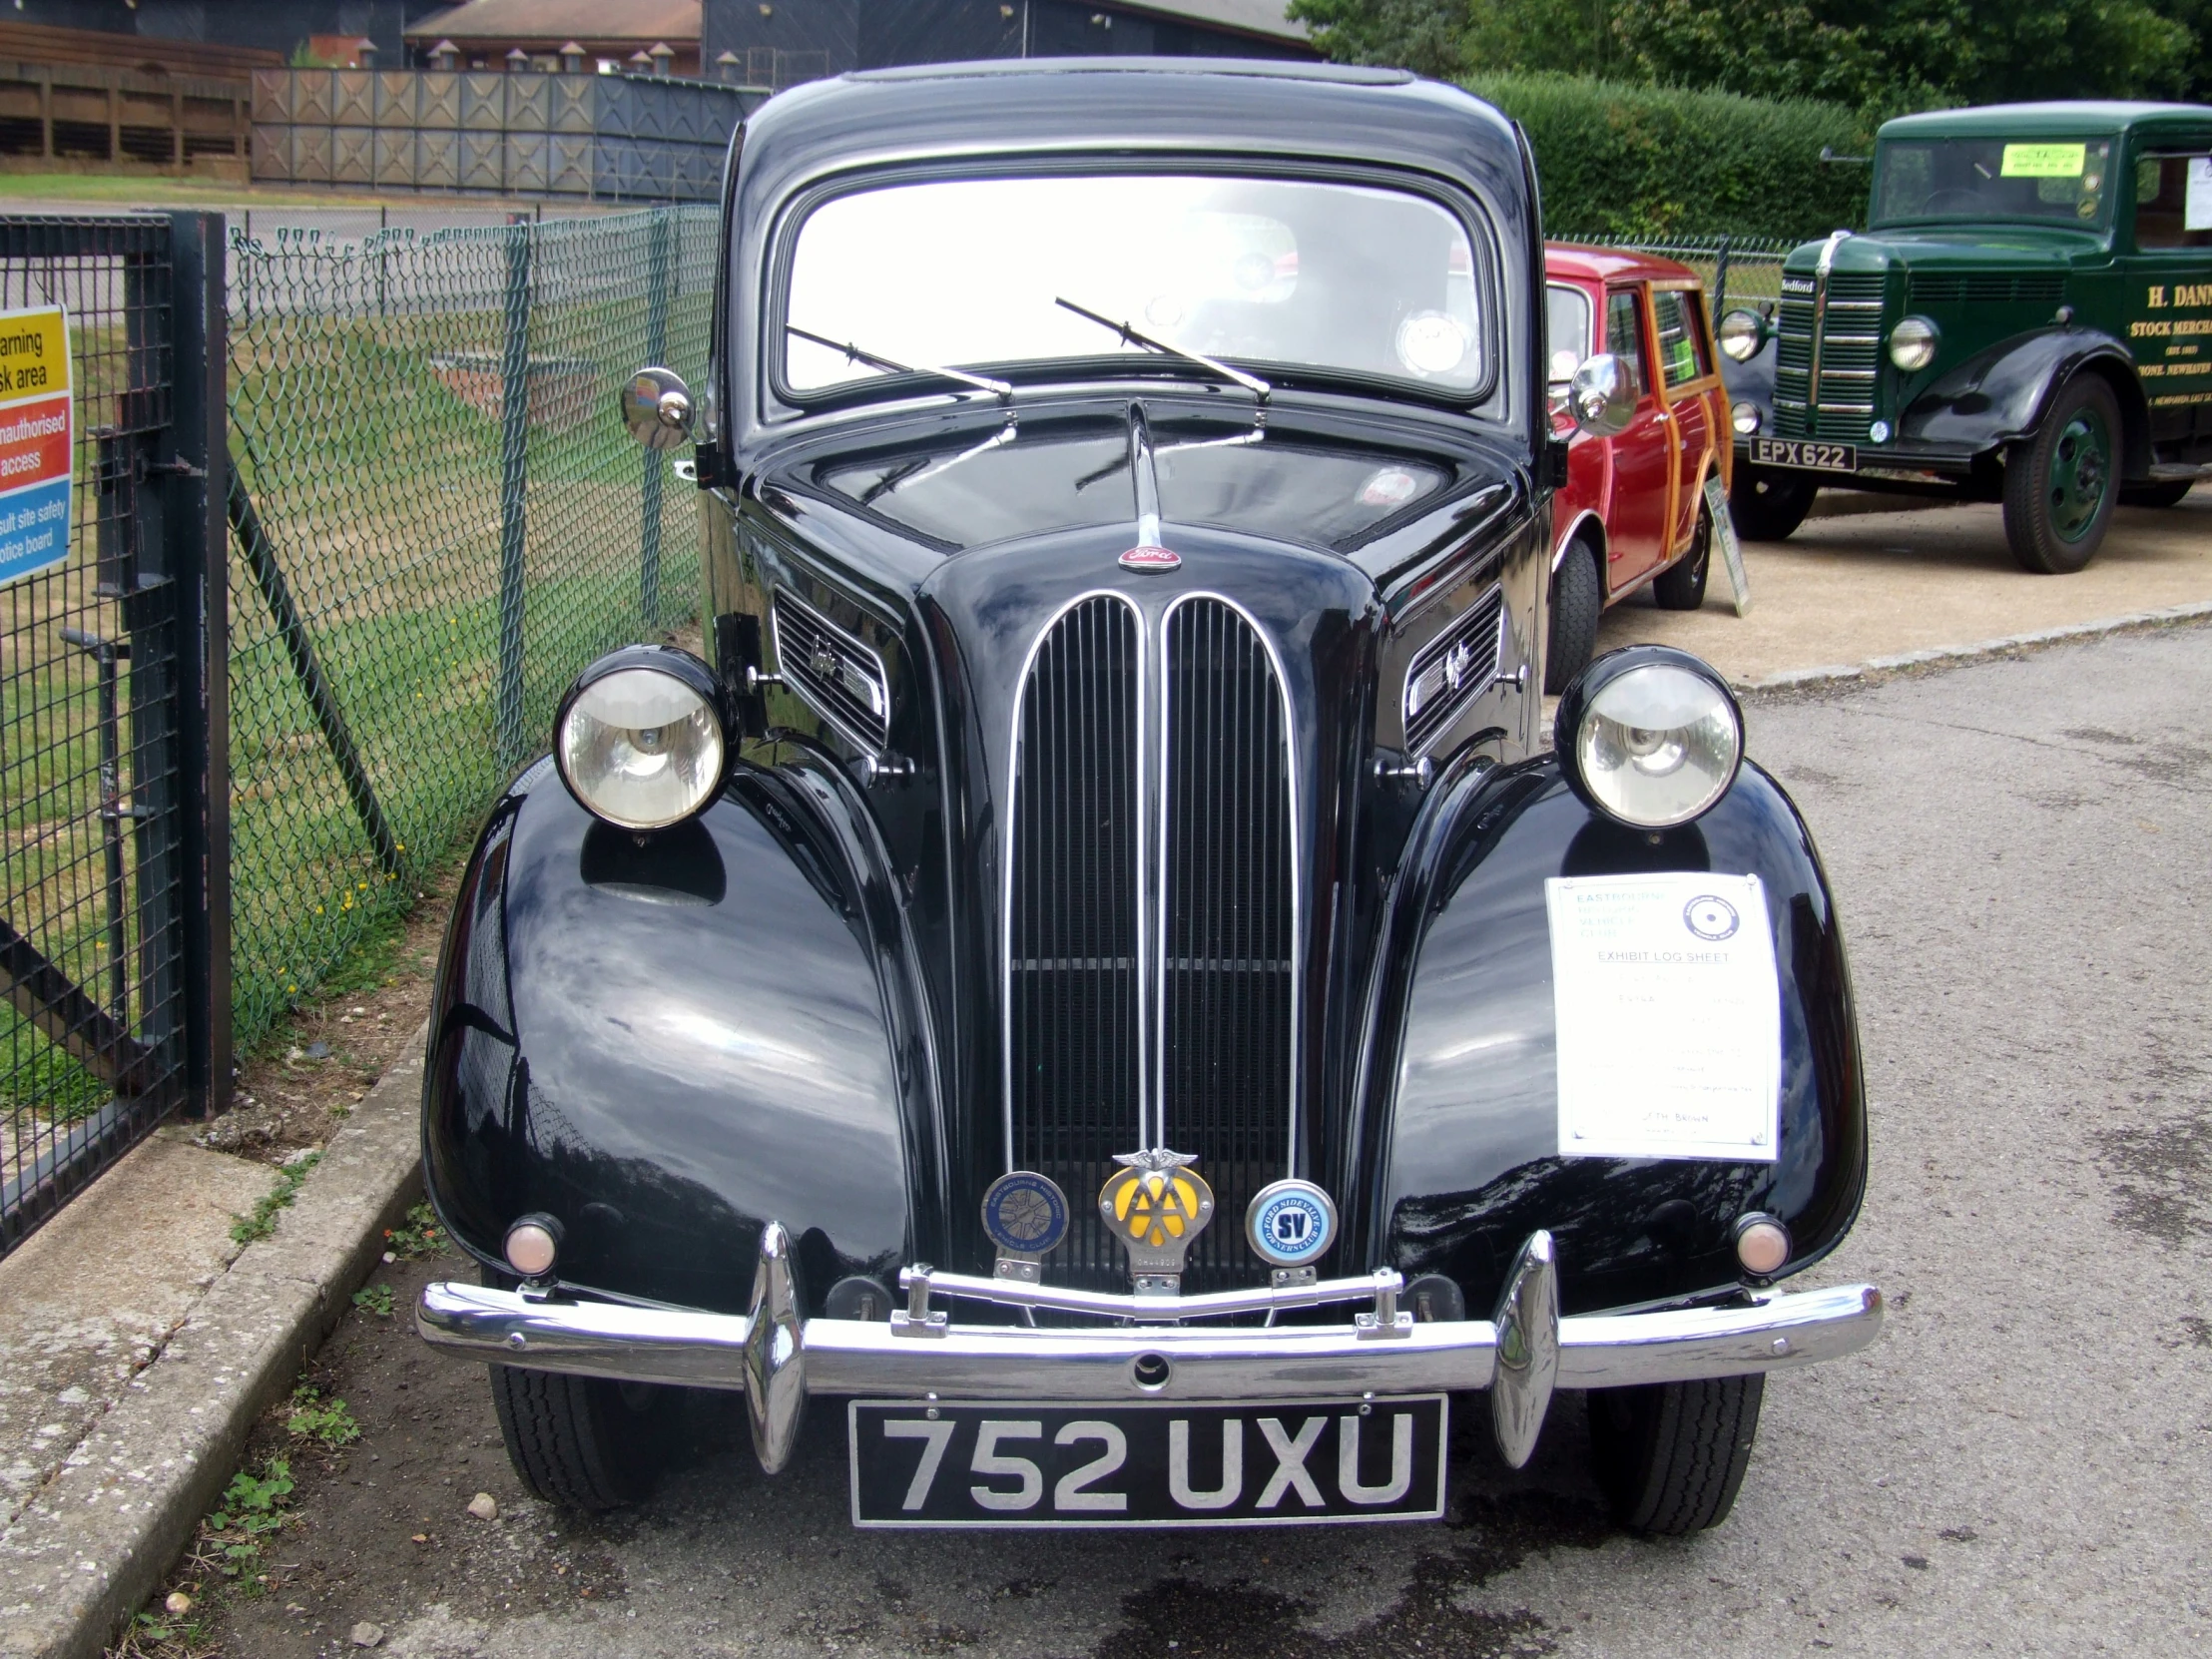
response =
{"points": [[667, 1041], [1468, 1112], [1998, 395]]}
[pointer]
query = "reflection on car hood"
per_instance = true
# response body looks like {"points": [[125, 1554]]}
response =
{"points": [[994, 485]]}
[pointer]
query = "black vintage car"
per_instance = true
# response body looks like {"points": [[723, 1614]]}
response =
{"points": [[1098, 972]]}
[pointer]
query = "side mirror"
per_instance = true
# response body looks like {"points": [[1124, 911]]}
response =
{"points": [[656, 407], [1602, 395]]}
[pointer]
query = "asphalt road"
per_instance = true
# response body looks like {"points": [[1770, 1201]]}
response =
{"points": [[2022, 1464]]}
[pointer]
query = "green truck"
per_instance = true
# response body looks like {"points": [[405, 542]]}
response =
{"points": [[2027, 319]]}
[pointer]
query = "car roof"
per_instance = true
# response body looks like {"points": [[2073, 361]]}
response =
{"points": [[2067, 117], [1601, 264], [944, 112]]}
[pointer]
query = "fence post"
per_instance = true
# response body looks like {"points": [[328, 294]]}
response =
{"points": [[514, 441], [1720, 284], [659, 265], [194, 492]]}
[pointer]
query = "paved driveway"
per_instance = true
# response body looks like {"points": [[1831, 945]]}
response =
{"points": [[2023, 1464]]}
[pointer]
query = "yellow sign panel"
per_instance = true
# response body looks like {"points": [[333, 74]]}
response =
{"points": [[2044, 160]]}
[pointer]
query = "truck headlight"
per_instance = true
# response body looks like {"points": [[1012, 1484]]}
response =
{"points": [[1741, 334], [1649, 736], [639, 739], [1745, 418], [1912, 343]]}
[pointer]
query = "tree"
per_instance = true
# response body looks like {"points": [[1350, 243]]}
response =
{"points": [[1881, 57]]}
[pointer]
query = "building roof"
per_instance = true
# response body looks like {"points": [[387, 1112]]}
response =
{"points": [[556, 21], [1246, 17]]}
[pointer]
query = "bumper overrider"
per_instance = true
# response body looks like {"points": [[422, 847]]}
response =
{"points": [[1147, 1347]]}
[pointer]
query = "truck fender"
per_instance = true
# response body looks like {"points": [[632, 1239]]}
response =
{"points": [[1465, 1161], [1999, 395], [667, 1041]]}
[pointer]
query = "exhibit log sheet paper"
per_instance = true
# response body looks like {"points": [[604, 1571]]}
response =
{"points": [[1669, 1016]]}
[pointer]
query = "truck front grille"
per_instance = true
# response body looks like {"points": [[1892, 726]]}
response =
{"points": [[1850, 358]]}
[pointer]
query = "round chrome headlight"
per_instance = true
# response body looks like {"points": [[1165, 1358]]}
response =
{"points": [[1650, 736], [1912, 343], [639, 740], [1741, 334], [1745, 418]]}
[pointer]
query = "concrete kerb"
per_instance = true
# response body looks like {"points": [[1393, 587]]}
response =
{"points": [[1809, 678], [88, 1550]]}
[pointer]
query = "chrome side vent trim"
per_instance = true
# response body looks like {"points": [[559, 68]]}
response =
{"points": [[1452, 670], [837, 675], [1072, 975]]}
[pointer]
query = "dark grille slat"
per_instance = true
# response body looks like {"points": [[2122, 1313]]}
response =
{"points": [[1074, 973], [1228, 941]]}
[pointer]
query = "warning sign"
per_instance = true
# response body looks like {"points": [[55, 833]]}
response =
{"points": [[37, 441]]}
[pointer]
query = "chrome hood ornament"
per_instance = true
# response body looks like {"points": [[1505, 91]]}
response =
{"points": [[1155, 1204]]}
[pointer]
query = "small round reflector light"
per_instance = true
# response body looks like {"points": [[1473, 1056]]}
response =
{"points": [[533, 1245], [1762, 1244]]}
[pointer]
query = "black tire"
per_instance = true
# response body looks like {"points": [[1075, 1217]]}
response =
{"points": [[2061, 484], [1681, 586], [1577, 601], [1768, 505], [2155, 495], [1671, 1456], [584, 1442]]}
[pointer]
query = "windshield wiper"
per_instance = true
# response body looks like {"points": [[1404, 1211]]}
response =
{"points": [[999, 390], [1251, 382]]}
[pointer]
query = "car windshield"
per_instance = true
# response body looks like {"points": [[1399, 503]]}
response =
{"points": [[2063, 180], [1280, 276]]}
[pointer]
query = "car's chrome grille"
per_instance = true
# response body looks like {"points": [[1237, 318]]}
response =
{"points": [[837, 674], [1850, 357], [1073, 980], [1175, 1025], [1451, 671], [1229, 981]]}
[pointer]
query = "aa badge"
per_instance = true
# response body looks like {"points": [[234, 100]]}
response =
{"points": [[1155, 1204]]}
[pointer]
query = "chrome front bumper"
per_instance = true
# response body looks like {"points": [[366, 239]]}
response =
{"points": [[776, 1359]]}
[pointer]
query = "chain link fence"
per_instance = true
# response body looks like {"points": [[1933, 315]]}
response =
{"points": [[1737, 272], [437, 519]]}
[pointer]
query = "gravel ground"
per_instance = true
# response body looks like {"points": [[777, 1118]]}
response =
{"points": [[2021, 1467]]}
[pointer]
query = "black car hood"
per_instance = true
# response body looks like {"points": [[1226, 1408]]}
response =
{"points": [[1287, 482]]}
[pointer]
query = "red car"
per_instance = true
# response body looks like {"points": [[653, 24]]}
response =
{"points": [[1633, 513]]}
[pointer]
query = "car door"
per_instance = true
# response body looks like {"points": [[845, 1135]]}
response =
{"points": [[2169, 285], [1688, 386], [1640, 503]]}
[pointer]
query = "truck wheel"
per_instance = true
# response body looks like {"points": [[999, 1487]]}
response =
{"points": [[2059, 486], [1768, 505], [2156, 495], [585, 1442], [1681, 586], [1577, 601], [1670, 1456]]}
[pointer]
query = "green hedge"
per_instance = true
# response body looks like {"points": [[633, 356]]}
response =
{"points": [[1628, 161]]}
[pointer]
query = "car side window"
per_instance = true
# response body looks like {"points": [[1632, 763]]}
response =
{"points": [[1624, 336], [2173, 200], [1567, 319], [1681, 345]]}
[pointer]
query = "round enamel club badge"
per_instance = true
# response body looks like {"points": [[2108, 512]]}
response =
{"points": [[1025, 1214], [1151, 559], [1290, 1224]]}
